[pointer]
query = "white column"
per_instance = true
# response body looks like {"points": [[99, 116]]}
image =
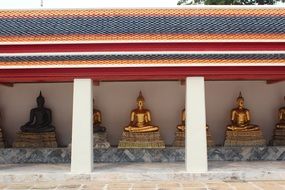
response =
{"points": [[82, 130], [195, 137]]}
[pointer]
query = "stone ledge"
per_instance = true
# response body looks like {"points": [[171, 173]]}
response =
{"points": [[229, 171], [115, 155]]}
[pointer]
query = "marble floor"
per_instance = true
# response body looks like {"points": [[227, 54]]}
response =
{"points": [[148, 185], [218, 170]]}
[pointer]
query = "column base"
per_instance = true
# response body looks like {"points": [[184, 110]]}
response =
{"points": [[141, 140]]}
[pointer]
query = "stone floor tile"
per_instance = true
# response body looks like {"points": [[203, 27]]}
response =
{"points": [[195, 188], [44, 186], [267, 185], [69, 186], [145, 184], [146, 188], [19, 186], [2, 186], [95, 185], [94, 188], [218, 186], [280, 182], [119, 185], [242, 186], [193, 184], [169, 185]]}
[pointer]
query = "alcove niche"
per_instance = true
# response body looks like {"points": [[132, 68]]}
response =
{"points": [[165, 100]]}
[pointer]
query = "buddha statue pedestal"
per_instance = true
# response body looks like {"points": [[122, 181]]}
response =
{"points": [[244, 138], [179, 140], [279, 131], [141, 140], [278, 137], [100, 140], [35, 140], [2, 144]]}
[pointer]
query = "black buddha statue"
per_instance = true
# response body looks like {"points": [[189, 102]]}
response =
{"points": [[40, 118]]}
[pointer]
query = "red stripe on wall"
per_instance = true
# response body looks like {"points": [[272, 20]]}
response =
{"points": [[115, 47]]}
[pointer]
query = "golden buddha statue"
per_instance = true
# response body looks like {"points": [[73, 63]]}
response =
{"points": [[240, 118], [281, 117], [140, 133], [181, 127], [140, 119]]}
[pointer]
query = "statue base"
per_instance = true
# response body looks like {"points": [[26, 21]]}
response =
{"points": [[2, 144], [141, 140], [35, 140], [244, 138], [278, 137], [179, 140], [100, 140]]}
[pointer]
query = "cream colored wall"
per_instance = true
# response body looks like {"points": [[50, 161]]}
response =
{"points": [[164, 99]]}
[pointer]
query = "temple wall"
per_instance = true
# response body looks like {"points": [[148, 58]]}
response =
{"points": [[164, 99]]}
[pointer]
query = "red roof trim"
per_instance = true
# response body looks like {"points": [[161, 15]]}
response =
{"points": [[145, 73], [125, 47]]}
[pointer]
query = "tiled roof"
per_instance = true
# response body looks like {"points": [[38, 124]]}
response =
{"points": [[143, 59], [191, 24]]}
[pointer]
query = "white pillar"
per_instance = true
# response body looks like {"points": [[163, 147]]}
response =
{"points": [[82, 130], [195, 137]]}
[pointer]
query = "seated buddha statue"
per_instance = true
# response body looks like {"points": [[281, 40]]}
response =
{"points": [[97, 119], [40, 118], [140, 119], [240, 118], [281, 117], [181, 127]]}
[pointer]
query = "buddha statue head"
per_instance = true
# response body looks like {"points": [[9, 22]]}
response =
{"points": [[40, 100], [140, 100], [240, 101]]}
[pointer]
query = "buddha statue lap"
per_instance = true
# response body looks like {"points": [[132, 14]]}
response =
{"points": [[279, 132], [140, 133], [179, 140], [241, 132], [38, 131]]}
